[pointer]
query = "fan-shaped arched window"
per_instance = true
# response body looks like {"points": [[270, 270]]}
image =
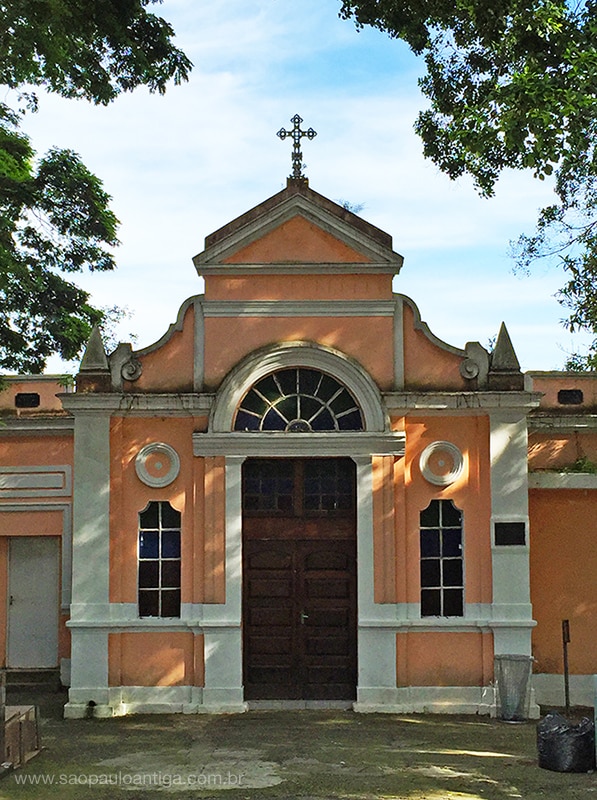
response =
{"points": [[298, 400]]}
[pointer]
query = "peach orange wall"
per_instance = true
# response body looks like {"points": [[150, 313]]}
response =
{"points": [[551, 384], [298, 287], [554, 450], [296, 240], [129, 495], [427, 366], [198, 493], [563, 585], [46, 389], [444, 659], [368, 340], [170, 367], [35, 450], [31, 523], [471, 493], [384, 528], [155, 659]]}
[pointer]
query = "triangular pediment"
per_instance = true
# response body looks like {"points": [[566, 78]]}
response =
{"points": [[301, 228]]}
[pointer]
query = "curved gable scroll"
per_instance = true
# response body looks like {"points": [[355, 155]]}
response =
{"points": [[298, 355]]}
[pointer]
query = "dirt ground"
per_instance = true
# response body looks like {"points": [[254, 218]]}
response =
{"points": [[312, 755]]}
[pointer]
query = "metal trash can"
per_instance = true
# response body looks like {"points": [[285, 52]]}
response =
{"points": [[513, 680]]}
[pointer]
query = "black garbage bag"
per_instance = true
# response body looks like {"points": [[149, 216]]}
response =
{"points": [[565, 746]]}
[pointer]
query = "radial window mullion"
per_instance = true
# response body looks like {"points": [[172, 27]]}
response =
{"points": [[321, 404]]}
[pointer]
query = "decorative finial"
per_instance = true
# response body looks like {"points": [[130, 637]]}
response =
{"points": [[297, 134]]}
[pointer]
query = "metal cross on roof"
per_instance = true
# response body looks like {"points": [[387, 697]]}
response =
{"points": [[297, 134]]}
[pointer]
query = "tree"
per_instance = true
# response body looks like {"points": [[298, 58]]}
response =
{"points": [[512, 84], [55, 218]]}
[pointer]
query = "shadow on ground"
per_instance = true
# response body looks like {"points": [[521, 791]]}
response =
{"points": [[311, 755]]}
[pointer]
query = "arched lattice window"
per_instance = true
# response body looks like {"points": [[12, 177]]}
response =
{"points": [[298, 400]]}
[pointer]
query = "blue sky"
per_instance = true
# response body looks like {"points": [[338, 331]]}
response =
{"points": [[180, 166]]}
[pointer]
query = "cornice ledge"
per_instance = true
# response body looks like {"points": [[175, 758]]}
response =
{"points": [[237, 443], [546, 421], [438, 400], [302, 267], [133, 404], [14, 426], [562, 480], [299, 308]]}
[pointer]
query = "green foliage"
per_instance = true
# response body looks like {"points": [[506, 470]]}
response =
{"points": [[582, 464], [94, 49], [511, 84], [55, 218]]}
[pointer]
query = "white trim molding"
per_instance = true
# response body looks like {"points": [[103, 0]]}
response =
{"points": [[52, 480], [294, 445], [451, 453], [298, 308], [562, 480], [168, 465]]}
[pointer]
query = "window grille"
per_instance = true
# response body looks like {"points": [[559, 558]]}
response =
{"points": [[159, 561], [442, 563], [298, 400]]}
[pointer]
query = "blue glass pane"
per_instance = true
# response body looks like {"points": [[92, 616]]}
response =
{"points": [[343, 402], [253, 402], [149, 544], [323, 421], [309, 407], [287, 380], [149, 603], [246, 422], [430, 515], [268, 388], [430, 543], [430, 573], [452, 572], [273, 421], [451, 516], [148, 574], [451, 542], [149, 518], [171, 603], [170, 544], [453, 603], [430, 603], [327, 388], [171, 574], [351, 422], [288, 408], [170, 516], [308, 381]]}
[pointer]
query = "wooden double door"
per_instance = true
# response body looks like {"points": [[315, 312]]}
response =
{"points": [[299, 579]]}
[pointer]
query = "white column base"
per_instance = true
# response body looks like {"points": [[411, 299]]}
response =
{"points": [[549, 689], [479, 700]]}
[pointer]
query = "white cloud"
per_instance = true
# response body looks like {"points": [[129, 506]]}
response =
{"points": [[182, 165]]}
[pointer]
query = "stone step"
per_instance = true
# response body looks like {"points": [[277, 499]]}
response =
{"points": [[33, 679]]}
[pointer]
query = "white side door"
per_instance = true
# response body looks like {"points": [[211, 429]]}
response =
{"points": [[33, 602]]}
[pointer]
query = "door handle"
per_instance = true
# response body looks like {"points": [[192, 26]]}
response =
{"points": [[11, 600], [303, 617]]}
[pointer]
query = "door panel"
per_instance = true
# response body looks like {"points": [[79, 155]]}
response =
{"points": [[299, 582], [33, 602]]}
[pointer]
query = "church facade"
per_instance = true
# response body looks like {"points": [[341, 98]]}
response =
{"points": [[298, 493]]}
